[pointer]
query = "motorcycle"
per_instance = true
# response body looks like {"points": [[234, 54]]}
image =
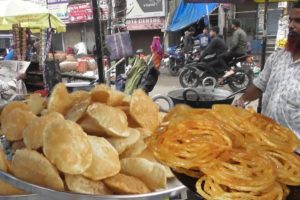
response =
{"points": [[237, 77], [176, 59]]}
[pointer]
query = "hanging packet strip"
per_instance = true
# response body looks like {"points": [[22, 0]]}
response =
{"points": [[119, 45]]}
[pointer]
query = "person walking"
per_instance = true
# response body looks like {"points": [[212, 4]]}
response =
{"points": [[188, 42]]}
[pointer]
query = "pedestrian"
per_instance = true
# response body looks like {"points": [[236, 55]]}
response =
{"points": [[188, 40], [279, 82], [157, 52], [238, 45], [204, 38]]}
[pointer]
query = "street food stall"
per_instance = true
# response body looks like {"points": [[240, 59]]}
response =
{"points": [[105, 144], [24, 18]]}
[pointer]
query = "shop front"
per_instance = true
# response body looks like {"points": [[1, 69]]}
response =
{"points": [[144, 21]]}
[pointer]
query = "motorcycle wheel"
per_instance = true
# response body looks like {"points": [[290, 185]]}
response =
{"points": [[173, 67], [189, 78], [240, 80]]}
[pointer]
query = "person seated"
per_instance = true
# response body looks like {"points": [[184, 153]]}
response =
{"points": [[216, 47], [238, 46]]}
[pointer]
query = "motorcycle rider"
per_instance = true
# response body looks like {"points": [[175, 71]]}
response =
{"points": [[238, 45], [217, 46]]}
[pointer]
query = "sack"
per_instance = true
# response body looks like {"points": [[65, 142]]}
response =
{"points": [[119, 45], [149, 79], [68, 66]]}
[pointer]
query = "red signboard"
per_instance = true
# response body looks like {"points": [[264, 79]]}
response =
{"points": [[149, 23], [82, 12]]}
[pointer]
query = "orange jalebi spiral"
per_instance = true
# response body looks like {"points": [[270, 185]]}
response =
{"points": [[190, 143], [244, 171], [211, 190], [287, 164], [266, 131]]}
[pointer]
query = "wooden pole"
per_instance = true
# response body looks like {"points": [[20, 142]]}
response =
{"points": [[97, 30], [264, 47]]}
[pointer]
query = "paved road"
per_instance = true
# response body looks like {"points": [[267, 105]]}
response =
{"points": [[167, 83]]}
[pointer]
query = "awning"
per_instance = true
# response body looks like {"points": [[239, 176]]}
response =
{"points": [[189, 13]]}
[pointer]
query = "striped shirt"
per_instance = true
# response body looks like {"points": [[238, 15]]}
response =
{"points": [[280, 83]]}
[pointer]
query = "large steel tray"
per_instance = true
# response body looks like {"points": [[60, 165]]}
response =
{"points": [[21, 197], [174, 188]]}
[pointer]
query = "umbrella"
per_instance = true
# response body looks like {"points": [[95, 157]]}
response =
{"points": [[27, 15]]}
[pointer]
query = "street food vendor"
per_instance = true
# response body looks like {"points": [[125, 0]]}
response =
{"points": [[279, 82]]}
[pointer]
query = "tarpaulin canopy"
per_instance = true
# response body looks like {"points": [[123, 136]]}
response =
{"points": [[189, 13], [27, 15]]}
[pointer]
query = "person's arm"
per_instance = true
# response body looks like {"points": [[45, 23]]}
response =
{"points": [[197, 37], [256, 89], [252, 93], [235, 41]]}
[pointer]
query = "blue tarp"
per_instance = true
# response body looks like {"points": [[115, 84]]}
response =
{"points": [[189, 13]]}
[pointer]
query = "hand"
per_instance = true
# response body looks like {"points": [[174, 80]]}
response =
{"points": [[239, 103], [21, 77]]}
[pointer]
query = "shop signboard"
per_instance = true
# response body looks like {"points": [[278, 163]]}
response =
{"points": [[145, 8], [59, 8], [77, 12], [82, 12], [150, 23]]}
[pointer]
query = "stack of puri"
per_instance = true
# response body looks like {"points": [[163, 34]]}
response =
{"points": [[85, 142]]}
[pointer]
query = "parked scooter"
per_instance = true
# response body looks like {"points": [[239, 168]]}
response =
{"points": [[237, 77]]}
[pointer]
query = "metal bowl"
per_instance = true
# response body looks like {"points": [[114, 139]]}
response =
{"points": [[174, 188]]}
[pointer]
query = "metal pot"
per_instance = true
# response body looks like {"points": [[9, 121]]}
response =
{"points": [[204, 97]]}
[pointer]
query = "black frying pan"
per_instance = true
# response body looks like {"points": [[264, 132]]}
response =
{"points": [[190, 183]]}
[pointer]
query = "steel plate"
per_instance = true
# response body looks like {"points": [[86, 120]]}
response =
{"points": [[174, 188]]}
